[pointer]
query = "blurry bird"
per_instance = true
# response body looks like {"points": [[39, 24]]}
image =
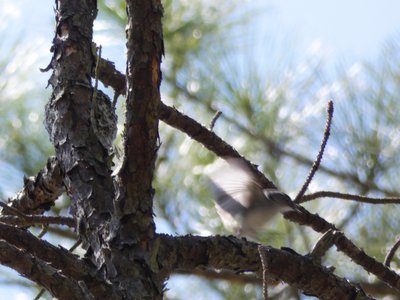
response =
{"points": [[241, 201]]}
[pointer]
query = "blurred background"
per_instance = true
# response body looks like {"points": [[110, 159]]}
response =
{"points": [[270, 67]]}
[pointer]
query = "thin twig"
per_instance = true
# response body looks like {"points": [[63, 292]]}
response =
{"points": [[76, 245], [214, 120], [391, 253], [40, 294], [317, 162], [326, 241], [23, 220], [115, 99], [352, 197], [94, 95], [31, 220], [265, 270], [43, 231], [12, 210]]}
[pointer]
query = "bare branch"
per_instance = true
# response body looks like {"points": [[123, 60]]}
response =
{"points": [[32, 220], [208, 139], [11, 210], [74, 246], [110, 76], [263, 258], [43, 232], [58, 258], [39, 271], [344, 196], [40, 294], [64, 233], [231, 253], [391, 253], [23, 220], [379, 289], [317, 162], [40, 192], [228, 275], [214, 120], [369, 264], [374, 288], [323, 245]]}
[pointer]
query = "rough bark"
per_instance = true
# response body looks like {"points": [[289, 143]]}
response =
{"points": [[67, 264], [40, 192], [239, 255], [133, 225], [83, 159], [119, 236], [39, 271]]}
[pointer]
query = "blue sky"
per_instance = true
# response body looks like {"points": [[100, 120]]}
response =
{"points": [[353, 29], [343, 30]]}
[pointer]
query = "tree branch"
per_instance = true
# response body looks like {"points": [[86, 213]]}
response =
{"points": [[30, 220], [230, 276], [30, 266], [391, 253], [239, 255], [344, 196], [317, 162], [359, 257], [262, 251], [208, 139], [58, 258], [323, 245], [374, 288], [274, 147], [40, 192], [23, 220]]}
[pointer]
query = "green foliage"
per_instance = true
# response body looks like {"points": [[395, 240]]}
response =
{"points": [[23, 142]]}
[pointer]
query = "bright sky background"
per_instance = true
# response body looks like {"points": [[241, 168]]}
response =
{"points": [[353, 29], [345, 30]]}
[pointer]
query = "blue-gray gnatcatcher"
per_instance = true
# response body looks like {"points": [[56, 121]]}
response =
{"points": [[242, 203]]}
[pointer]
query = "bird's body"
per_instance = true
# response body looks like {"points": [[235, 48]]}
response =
{"points": [[242, 203]]}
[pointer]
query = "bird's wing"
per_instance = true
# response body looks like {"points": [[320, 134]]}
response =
{"points": [[234, 187]]}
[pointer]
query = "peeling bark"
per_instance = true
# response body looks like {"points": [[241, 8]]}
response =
{"points": [[83, 159], [40, 192]]}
